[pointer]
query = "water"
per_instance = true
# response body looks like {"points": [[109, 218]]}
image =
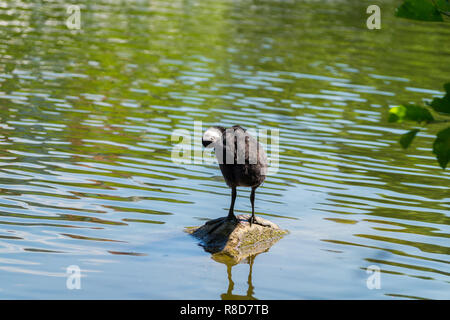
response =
{"points": [[86, 176]]}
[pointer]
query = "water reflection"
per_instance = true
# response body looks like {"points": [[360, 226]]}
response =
{"points": [[85, 146], [250, 291]]}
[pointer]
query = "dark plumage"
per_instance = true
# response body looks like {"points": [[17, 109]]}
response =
{"points": [[241, 158]]}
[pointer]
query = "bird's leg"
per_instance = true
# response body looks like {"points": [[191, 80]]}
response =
{"points": [[231, 215], [252, 200]]}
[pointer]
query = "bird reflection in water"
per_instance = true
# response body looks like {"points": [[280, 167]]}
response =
{"points": [[251, 289]]}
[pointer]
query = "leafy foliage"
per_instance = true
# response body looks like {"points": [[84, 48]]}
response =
{"points": [[410, 112], [441, 145], [407, 138], [418, 10], [425, 10], [442, 105]]}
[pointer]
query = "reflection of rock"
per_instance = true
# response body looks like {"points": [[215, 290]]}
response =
{"points": [[232, 241]]}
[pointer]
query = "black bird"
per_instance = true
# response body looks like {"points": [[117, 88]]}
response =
{"points": [[241, 158]]}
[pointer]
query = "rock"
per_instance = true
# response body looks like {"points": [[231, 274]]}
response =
{"points": [[234, 241]]}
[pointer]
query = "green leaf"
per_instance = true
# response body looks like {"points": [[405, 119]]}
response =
{"points": [[442, 105], [419, 10], [441, 147], [443, 5], [410, 112], [407, 138], [397, 114]]}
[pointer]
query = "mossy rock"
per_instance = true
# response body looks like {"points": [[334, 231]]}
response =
{"points": [[233, 241]]}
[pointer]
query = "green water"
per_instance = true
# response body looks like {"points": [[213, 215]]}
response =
{"points": [[86, 176]]}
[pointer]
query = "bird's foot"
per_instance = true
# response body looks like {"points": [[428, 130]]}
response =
{"points": [[232, 218], [251, 220]]}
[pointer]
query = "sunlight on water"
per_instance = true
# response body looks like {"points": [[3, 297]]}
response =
{"points": [[86, 176]]}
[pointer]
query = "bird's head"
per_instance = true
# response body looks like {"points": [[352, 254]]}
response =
{"points": [[212, 136]]}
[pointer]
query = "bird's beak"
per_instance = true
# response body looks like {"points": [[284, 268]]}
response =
{"points": [[206, 143]]}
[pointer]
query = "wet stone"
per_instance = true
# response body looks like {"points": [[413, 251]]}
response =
{"points": [[235, 240]]}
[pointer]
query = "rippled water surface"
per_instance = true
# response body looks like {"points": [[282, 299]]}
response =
{"points": [[86, 176]]}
